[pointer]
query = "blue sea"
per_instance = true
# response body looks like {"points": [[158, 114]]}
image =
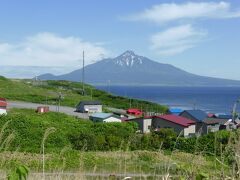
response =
{"points": [[210, 99]]}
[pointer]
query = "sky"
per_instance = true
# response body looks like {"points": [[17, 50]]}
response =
{"points": [[201, 37]]}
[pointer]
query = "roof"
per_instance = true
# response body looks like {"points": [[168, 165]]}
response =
{"points": [[176, 119], [101, 115], [3, 102], [215, 121], [134, 110], [224, 116], [90, 103], [175, 110], [199, 115], [211, 115]]}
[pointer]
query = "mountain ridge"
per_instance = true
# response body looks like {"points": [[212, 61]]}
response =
{"points": [[131, 69]]}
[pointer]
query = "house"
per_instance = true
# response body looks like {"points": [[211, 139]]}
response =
{"points": [[198, 116], [135, 112], [89, 107], [175, 111], [3, 106], [104, 117], [215, 124], [144, 124], [179, 124]]}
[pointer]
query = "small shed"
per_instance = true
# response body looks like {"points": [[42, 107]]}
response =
{"points": [[89, 107], [3, 106], [42, 109]]}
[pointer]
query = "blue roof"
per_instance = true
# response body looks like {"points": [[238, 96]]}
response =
{"points": [[199, 115], [101, 115], [224, 116], [175, 110]]}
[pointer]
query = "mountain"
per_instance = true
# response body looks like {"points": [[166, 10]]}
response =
{"points": [[132, 69]]}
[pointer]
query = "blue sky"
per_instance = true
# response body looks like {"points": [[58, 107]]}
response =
{"points": [[201, 37]]}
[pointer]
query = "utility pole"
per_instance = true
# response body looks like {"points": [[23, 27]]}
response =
{"points": [[83, 91]]}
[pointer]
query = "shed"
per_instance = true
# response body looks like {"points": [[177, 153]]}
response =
{"points": [[3, 106], [179, 124], [89, 107], [43, 109]]}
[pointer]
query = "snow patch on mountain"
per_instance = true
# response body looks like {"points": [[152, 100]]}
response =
{"points": [[128, 59]]}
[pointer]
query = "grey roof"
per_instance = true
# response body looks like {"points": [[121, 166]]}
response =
{"points": [[90, 103], [101, 115], [199, 115], [215, 121]]}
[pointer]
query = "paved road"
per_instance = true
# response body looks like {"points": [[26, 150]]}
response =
{"points": [[63, 109]]}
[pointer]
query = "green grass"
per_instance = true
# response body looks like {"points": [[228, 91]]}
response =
{"points": [[47, 92]]}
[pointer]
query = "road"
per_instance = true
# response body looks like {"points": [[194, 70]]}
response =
{"points": [[53, 108]]}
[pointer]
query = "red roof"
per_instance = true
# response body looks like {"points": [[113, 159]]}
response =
{"points": [[3, 102], [211, 115], [134, 111], [176, 119]]}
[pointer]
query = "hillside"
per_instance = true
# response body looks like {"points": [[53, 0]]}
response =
{"points": [[83, 146], [132, 69], [48, 92]]}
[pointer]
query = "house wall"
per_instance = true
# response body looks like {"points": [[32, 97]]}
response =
{"points": [[162, 123], [213, 128], [3, 111], [147, 124], [188, 131], [112, 119], [144, 125]]}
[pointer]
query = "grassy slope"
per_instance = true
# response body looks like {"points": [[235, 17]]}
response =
{"points": [[47, 91], [29, 127]]}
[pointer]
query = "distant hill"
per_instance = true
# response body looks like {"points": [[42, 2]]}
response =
{"points": [[132, 69]]}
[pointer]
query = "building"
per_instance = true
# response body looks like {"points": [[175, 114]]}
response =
{"points": [[3, 106], [104, 117], [215, 124], [198, 116], [42, 109], [179, 124], [144, 124], [89, 107], [135, 112]]}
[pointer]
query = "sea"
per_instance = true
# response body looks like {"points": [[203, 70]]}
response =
{"points": [[210, 99]]}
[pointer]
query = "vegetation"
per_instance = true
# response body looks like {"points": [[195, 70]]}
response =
{"points": [[49, 91], [76, 145]]}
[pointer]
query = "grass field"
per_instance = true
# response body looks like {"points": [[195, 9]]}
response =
{"points": [[48, 92]]}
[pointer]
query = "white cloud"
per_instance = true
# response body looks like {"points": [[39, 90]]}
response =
{"points": [[168, 12], [48, 49], [176, 39]]}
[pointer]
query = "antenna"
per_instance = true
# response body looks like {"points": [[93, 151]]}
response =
{"points": [[83, 91]]}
